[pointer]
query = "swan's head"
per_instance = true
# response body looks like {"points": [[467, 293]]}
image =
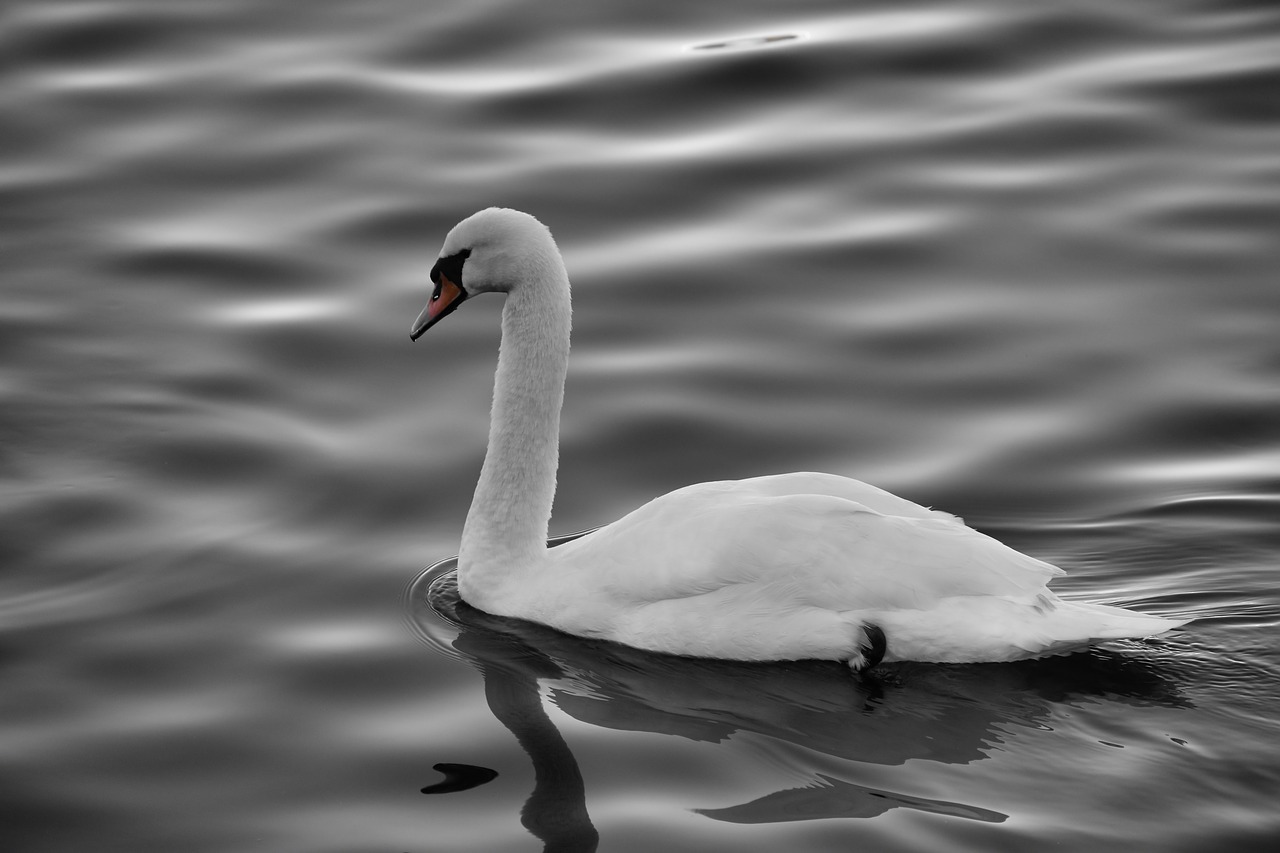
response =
{"points": [[495, 250]]}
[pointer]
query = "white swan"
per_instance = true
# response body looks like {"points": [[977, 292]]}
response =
{"points": [[789, 567]]}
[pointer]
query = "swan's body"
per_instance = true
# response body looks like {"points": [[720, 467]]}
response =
{"points": [[794, 566]]}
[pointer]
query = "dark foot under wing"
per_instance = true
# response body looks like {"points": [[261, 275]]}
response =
{"points": [[873, 648]]}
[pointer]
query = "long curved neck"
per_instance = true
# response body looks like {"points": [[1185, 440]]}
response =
{"points": [[506, 528]]}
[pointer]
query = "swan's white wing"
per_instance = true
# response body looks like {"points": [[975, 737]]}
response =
{"points": [[811, 549], [750, 570]]}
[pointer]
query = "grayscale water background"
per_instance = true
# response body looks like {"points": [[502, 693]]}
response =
{"points": [[1013, 260]]}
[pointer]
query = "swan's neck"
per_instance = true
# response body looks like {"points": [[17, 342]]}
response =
{"points": [[506, 530]]}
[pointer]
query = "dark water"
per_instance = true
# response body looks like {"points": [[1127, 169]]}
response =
{"points": [[1016, 261]]}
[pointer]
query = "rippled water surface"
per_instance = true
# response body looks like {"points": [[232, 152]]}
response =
{"points": [[1013, 260]]}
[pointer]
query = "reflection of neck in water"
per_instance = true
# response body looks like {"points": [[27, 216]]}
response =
{"points": [[556, 811]]}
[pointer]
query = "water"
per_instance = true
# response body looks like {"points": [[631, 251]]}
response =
{"points": [[1014, 261]]}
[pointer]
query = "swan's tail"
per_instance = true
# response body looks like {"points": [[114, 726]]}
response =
{"points": [[1076, 624], [1115, 623], [969, 629]]}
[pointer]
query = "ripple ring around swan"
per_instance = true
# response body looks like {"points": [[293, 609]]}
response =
{"points": [[431, 601]]}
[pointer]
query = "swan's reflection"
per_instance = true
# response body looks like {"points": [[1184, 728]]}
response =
{"points": [[950, 714]]}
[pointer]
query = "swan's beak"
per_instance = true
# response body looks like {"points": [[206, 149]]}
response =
{"points": [[446, 297]]}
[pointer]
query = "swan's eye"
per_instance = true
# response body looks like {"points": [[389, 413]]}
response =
{"points": [[450, 268]]}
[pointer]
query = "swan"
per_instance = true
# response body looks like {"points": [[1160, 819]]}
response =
{"points": [[786, 567]]}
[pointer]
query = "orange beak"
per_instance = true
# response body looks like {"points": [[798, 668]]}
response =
{"points": [[446, 297]]}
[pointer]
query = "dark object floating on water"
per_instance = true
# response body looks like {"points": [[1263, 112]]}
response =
{"points": [[460, 777], [746, 42]]}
